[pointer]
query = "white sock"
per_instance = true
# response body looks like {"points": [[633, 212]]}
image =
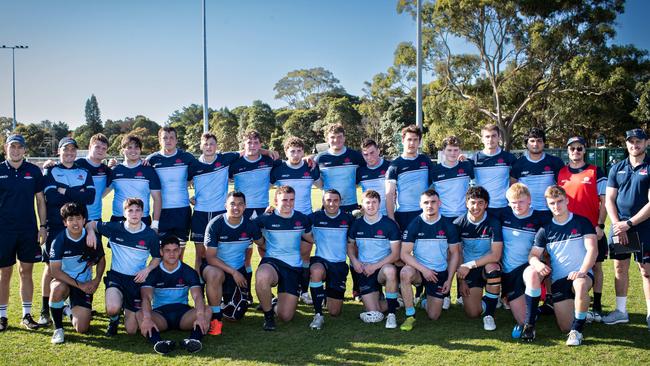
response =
{"points": [[27, 308], [3, 311], [621, 304], [647, 305]]}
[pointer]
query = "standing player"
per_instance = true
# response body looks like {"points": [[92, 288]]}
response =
{"points": [[131, 243], [373, 174], [165, 305], [408, 176], [628, 208], [585, 186], [482, 244], [284, 230], [100, 172], [330, 231], [373, 247], [20, 182], [451, 179], [570, 241], [71, 263], [431, 252]]}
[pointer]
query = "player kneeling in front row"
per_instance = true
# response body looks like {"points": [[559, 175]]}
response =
{"points": [[71, 262], [164, 301], [373, 247], [570, 241], [227, 238], [330, 230], [431, 251]]}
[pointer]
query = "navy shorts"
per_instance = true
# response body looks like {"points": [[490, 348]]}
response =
{"points": [[229, 285], [513, 284], [248, 213], [200, 220], [288, 277], [175, 221], [336, 274], [173, 313], [562, 289], [349, 208], [20, 244], [369, 284], [476, 277], [603, 249], [145, 219], [434, 289], [80, 298], [403, 219], [643, 256], [130, 290], [52, 233]]}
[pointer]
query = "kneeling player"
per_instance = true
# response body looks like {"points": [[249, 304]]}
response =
{"points": [[431, 251], [570, 241], [330, 231], [164, 301], [283, 229], [227, 238], [482, 244], [71, 264], [376, 240]]}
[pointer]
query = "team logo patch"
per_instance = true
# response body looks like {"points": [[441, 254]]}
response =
{"points": [[500, 161], [80, 177], [181, 281], [100, 170], [243, 235], [441, 232], [297, 223], [383, 172], [217, 164], [574, 231], [643, 171], [344, 222], [262, 164], [306, 174], [380, 232], [346, 160], [138, 174], [423, 163], [547, 168], [142, 243], [530, 225], [179, 161], [461, 171]]}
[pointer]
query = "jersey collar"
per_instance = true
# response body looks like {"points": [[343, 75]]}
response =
{"points": [[134, 166], [479, 221], [495, 154], [162, 152], [332, 217], [372, 223], [126, 227], [83, 235], [277, 213], [380, 163], [225, 219], [534, 161], [564, 223], [430, 223], [162, 266], [253, 161], [289, 165], [345, 149]]}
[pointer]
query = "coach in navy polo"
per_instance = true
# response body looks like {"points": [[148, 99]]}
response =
{"points": [[20, 181]]}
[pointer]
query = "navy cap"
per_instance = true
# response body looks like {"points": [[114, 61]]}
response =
{"points": [[16, 138], [67, 141], [576, 139], [637, 132]]}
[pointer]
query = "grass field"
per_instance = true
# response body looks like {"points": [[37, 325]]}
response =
{"points": [[346, 340]]}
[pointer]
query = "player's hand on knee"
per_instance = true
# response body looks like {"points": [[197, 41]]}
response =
{"points": [[239, 278], [358, 267], [430, 275], [141, 276], [202, 323], [446, 286], [147, 326], [462, 272]]}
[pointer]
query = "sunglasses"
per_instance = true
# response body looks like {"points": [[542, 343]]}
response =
{"points": [[578, 148]]}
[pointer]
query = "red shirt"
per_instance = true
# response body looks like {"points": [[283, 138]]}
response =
{"points": [[583, 187]]}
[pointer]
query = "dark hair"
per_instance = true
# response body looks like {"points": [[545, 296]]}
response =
{"points": [[237, 194], [368, 142], [371, 194], [128, 139], [99, 137], [535, 133], [293, 141], [167, 129], [450, 141], [252, 135], [284, 189], [430, 193], [411, 129], [208, 135], [71, 209], [334, 128], [169, 239], [332, 191], [133, 201], [477, 192]]}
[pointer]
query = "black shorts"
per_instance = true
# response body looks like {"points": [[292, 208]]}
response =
{"points": [[145, 219], [349, 208], [130, 290], [562, 289], [173, 313], [248, 213], [200, 220], [434, 289], [175, 221], [288, 277], [336, 274], [603, 249], [80, 298], [229, 284], [19, 244], [476, 277], [369, 284], [513, 284], [642, 257], [403, 219], [52, 233]]}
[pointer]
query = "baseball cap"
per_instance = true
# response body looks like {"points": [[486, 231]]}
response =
{"points": [[576, 139], [67, 141], [16, 138], [637, 132]]}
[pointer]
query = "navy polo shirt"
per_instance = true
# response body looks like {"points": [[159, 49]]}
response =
{"points": [[17, 190], [632, 184]]}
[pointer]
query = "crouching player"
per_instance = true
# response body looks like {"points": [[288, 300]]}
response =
{"points": [[431, 251], [131, 243], [376, 239], [330, 230], [164, 301], [71, 263], [570, 241], [482, 245], [227, 238]]}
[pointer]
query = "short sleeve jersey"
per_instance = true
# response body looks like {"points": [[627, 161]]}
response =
{"points": [[492, 172], [411, 177], [339, 171], [477, 237], [331, 234], [283, 236], [133, 182], [537, 175], [451, 183], [431, 241], [211, 182], [79, 187], [69, 252], [172, 171], [17, 190], [231, 241], [373, 239], [130, 250], [171, 287], [101, 174], [519, 236], [300, 178], [632, 184], [584, 187], [375, 178], [253, 178]]}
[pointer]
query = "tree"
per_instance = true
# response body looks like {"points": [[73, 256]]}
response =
{"points": [[400, 114], [224, 124], [305, 87], [188, 123], [139, 125], [34, 139], [301, 123], [93, 125], [54, 131], [258, 117], [341, 109]]}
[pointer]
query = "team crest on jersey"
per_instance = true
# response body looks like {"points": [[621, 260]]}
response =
{"points": [[500, 161], [530, 225], [306, 174], [461, 171], [142, 244], [586, 180], [344, 222], [180, 283], [243, 235], [261, 164], [383, 172], [346, 161], [138, 175], [547, 168], [28, 175], [178, 161], [643, 171], [80, 177], [423, 164], [297, 225], [217, 164]]}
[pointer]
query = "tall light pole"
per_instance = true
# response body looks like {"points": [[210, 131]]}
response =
{"points": [[418, 90], [206, 126], [13, 73]]}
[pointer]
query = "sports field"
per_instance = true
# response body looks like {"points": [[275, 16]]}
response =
{"points": [[453, 339]]}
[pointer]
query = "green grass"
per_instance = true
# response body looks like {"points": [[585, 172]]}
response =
{"points": [[453, 339]]}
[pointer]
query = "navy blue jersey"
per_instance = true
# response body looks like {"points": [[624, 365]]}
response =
{"points": [[231, 241], [130, 250], [451, 183], [331, 234], [412, 176], [300, 178], [17, 190], [171, 287], [492, 172], [565, 244], [133, 182], [431, 241], [537, 175], [339, 171], [253, 178], [79, 188], [375, 178], [284, 235], [632, 184], [477, 237], [519, 236], [172, 171], [373, 239], [211, 182], [101, 174], [69, 252]]}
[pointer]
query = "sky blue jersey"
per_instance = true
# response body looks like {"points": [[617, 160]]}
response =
{"points": [[101, 174], [375, 178], [284, 235], [519, 236], [300, 178], [253, 178], [373, 239], [130, 250], [537, 176], [231, 241], [69, 252], [451, 183], [171, 287], [133, 182], [331, 234], [431, 241], [412, 176], [172, 171], [477, 237], [79, 188], [211, 182], [492, 172], [339, 171]]}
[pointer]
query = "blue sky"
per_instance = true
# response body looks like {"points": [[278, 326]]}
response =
{"points": [[145, 56]]}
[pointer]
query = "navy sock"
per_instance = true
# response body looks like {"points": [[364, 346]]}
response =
{"points": [[45, 305], [579, 320], [490, 300], [154, 337], [391, 301], [216, 312], [196, 333], [304, 279], [317, 295], [597, 306], [57, 314], [269, 314], [532, 301]]}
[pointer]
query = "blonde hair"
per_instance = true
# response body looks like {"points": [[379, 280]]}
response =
{"points": [[554, 191], [517, 190]]}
